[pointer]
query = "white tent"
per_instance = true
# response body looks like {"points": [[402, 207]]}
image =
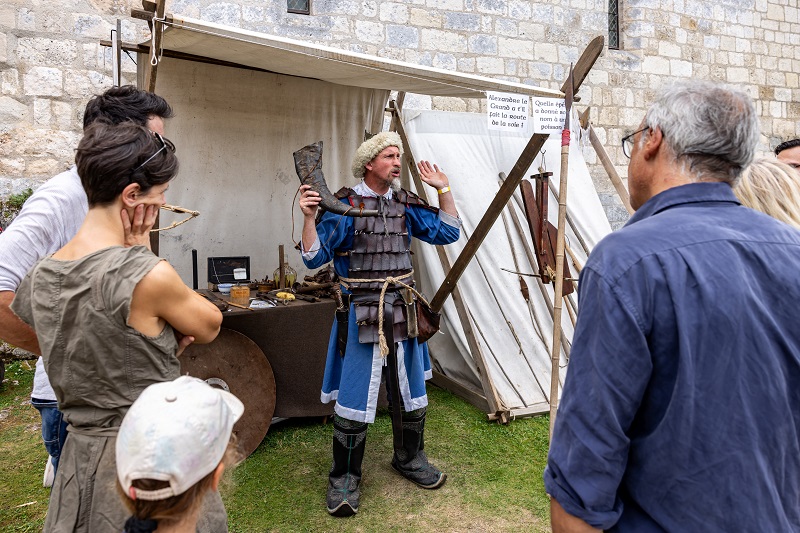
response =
{"points": [[516, 352]]}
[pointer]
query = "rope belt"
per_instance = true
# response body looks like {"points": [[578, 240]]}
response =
{"points": [[386, 282]]}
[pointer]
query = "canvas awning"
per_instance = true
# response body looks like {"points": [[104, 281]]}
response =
{"points": [[297, 58]]}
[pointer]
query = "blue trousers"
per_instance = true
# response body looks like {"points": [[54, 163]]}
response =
{"points": [[54, 428]]}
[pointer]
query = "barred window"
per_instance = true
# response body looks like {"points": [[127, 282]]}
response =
{"points": [[613, 24], [302, 7]]}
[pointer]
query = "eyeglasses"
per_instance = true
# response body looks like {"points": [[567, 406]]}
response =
{"points": [[165, 144], [627, 142]]}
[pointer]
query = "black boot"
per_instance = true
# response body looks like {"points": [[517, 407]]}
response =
{"points": [[349, 441], [410, 459]]}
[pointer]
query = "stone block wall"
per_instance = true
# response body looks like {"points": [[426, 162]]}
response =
{"points": [[51, 61]]}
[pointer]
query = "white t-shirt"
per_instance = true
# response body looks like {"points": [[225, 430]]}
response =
{"points": [[47, 221]]}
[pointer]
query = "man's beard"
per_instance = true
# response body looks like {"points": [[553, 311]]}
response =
{"points": [[395, 185]]}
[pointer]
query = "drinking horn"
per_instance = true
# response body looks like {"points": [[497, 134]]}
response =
{"points": [[308, 165]]}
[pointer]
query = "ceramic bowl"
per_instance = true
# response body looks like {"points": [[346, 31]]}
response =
{"points": [[225, 288]]}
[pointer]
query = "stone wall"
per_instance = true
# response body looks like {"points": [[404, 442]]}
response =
{"points": [[52, 63]]}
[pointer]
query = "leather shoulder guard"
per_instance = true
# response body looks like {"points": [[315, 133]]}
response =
{"points": [[342, 193], [409, 198]]}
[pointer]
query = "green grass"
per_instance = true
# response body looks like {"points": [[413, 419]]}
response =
{"points": [[494, 473], [23, 500]]}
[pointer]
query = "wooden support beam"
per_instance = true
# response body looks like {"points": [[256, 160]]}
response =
{"points": [[145, 49], [493, 399], [616, 181], [526, 412], [143, 14], [534, 146], [398, 105], [116, 55], [158, 27]]}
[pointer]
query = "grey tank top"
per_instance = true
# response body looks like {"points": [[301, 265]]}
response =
{"points": [[97, 364]]}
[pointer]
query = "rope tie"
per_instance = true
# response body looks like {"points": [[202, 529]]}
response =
{"points": [[155, 55], [396, 280]]}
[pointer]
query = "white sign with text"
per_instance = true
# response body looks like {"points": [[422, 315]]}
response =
{"points": [[548, 114], [507, 111]]}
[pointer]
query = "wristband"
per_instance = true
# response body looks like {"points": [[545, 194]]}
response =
{"points": [[444, 189]]}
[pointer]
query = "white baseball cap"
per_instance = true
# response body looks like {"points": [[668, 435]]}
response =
{"points": [[176, 431]]}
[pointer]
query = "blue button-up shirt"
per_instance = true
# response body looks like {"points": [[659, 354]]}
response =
{"points": [[681, 407]]}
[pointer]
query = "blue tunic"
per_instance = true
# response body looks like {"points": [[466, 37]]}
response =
{"points": [[681, 407], [354, 380]]}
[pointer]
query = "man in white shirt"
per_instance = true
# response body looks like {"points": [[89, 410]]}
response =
{"points": [[47, 221]]}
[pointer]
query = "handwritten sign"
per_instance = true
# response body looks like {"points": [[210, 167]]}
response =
{"points": [[548, 114], [507, 112]]}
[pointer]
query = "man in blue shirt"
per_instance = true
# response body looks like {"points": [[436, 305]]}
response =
{"points": [[681, 407], [372, 258]]}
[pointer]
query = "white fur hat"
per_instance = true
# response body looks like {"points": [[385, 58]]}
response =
{"points": [[372, 147], [176, 431]]}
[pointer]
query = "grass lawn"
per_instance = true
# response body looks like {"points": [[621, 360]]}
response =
{"points": [[494, 473]]}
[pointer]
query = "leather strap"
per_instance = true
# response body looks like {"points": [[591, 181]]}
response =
{"points": [[393, 375]]}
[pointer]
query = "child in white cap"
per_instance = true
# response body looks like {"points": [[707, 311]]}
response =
{"points": [[173, 446]]}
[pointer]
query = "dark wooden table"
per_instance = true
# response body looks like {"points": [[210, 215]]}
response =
{"points": [[294, 338]]}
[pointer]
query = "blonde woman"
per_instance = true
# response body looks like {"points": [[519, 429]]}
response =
{"points": [[772, 187]]}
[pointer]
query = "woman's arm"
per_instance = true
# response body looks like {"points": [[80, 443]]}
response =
{"points": [[161, 296]]}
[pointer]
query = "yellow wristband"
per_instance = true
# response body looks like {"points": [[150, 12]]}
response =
{"points": [[444, 190]]}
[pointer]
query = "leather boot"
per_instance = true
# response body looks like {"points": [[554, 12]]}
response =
{"points": [[349, 441], [410, 459]]}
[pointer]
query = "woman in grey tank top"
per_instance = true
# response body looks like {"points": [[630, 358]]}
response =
{"points": [[106, 316]]}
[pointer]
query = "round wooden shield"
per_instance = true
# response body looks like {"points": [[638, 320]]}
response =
{"points": [[235, 363]]}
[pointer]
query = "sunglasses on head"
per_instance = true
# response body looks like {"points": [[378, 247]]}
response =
{"points": [[166, 144]]}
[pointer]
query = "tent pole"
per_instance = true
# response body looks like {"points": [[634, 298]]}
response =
{"points": [[582, 67], [492, 398], [606, 161], [558, 290]]}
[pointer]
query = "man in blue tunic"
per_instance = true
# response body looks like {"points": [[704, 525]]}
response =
{"points": [[372, 258], [681, 406]]}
